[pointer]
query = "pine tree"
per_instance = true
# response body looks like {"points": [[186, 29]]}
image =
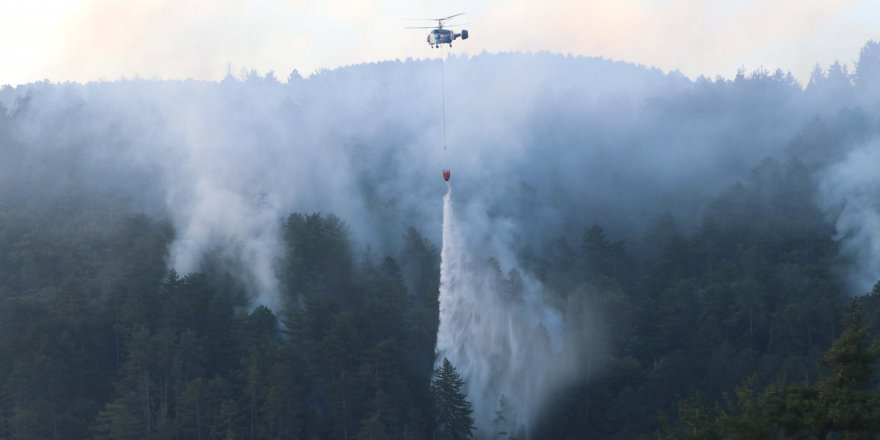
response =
{"points": [[850, 356], [372, 429], [455, 419], [839, 402]]}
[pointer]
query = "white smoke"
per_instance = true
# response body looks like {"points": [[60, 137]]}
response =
{"points": [[500, 334], [550, 144], [850, 191], [245, 230]]}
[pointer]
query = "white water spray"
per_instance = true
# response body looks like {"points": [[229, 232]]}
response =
{"points": [[500, 336]]}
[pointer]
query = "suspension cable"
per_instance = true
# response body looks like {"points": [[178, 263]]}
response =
{"points": [[443, 93]]}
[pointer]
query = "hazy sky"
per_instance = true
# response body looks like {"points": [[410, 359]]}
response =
{"points": [[107, 39]]}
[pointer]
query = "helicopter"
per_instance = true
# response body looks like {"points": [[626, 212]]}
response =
{"points": [[438, 34]]}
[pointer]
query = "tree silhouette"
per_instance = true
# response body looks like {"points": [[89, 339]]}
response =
{"points": [[455, 419]]}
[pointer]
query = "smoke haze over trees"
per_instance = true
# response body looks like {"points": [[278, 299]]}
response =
{"points": [[694, 232]]}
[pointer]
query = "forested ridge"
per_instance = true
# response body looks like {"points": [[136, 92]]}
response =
{"points": [[99, 340], [710, 291]]}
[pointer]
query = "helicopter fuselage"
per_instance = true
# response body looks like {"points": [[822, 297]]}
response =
{"points": [[444, 36]]}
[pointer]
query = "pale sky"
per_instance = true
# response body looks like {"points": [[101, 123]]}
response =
{"points": [[84, 40]]}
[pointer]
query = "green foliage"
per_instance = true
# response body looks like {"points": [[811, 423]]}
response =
{"points": [[99, 340], [750, 292], [372, 429], [453, 411], [319, 257], [603, 260], [840, 404]]}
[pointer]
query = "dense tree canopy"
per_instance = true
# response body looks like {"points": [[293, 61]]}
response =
{"points": [[98, 340]]}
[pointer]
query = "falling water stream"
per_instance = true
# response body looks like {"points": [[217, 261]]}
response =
{"points": [[497, 332]]}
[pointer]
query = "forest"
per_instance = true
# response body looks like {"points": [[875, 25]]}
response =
{"points": [[171, 273]]}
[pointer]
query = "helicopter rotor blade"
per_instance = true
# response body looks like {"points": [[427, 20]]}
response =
{"points": [[420, 27], [434, 19]]}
